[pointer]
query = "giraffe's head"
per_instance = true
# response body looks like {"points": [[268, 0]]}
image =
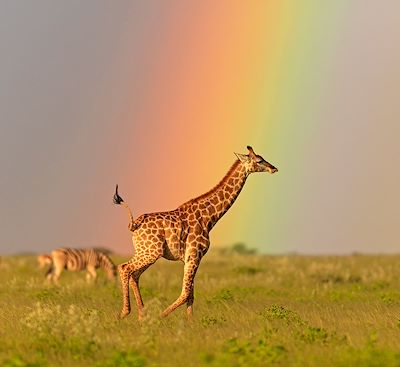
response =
{"points": [[255, 163]]}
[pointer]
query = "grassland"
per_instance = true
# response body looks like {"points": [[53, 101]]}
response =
{"points": [[250, 310]]}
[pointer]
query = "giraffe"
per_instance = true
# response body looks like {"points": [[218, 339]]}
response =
{"points": [[182, 234]]}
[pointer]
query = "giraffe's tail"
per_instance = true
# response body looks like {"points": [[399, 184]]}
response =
{"points": [[119, 201]]}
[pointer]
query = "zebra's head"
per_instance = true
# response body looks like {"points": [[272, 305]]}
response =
{"points": [[112, 272], [107, 264]]}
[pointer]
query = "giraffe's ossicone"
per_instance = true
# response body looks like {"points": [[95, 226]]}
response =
{"points": [[183, 233]]}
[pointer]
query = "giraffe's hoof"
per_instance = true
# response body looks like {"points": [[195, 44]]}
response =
{"points": [[123, 314], [164, 314], [190, 318]]}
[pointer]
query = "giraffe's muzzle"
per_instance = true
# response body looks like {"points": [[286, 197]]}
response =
{"points": [[272, 169]]}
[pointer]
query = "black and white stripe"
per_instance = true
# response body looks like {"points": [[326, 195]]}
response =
{"points": [[78, 260]]}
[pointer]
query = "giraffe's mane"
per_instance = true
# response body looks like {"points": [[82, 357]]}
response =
{"points": [[220, 184]]}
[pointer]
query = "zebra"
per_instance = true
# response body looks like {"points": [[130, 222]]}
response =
{"points": [[80, 259], [43, 260]]}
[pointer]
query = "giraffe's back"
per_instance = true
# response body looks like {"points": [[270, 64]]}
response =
{"points": [[161, 234]]}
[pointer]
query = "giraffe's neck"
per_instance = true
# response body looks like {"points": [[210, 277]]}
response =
{"points": [[216, 202]]}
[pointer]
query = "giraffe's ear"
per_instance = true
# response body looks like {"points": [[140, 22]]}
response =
{"points": [[242, 157], [251, 151]]}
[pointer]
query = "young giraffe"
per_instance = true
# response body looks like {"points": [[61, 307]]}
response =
{"points": [[183, 233]]}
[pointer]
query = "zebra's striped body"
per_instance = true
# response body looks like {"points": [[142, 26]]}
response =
{"points": [[78, 260]]}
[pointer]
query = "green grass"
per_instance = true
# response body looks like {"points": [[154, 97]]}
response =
{"points": [[250, 310]]}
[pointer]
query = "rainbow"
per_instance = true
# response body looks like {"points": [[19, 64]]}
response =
{"points": [[214, 77]]}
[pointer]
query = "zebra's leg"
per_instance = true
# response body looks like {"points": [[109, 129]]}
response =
{"points": [[59, 264], [56, 273], [49, 273], [91, 273]]}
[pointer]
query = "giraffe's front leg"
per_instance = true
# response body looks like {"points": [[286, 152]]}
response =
{"points": [[187, 286], [125, 274], [189, 304]]}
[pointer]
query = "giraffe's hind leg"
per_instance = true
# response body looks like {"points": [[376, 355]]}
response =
{"points": [[125, 274], [129, 273], [134, 282]]}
